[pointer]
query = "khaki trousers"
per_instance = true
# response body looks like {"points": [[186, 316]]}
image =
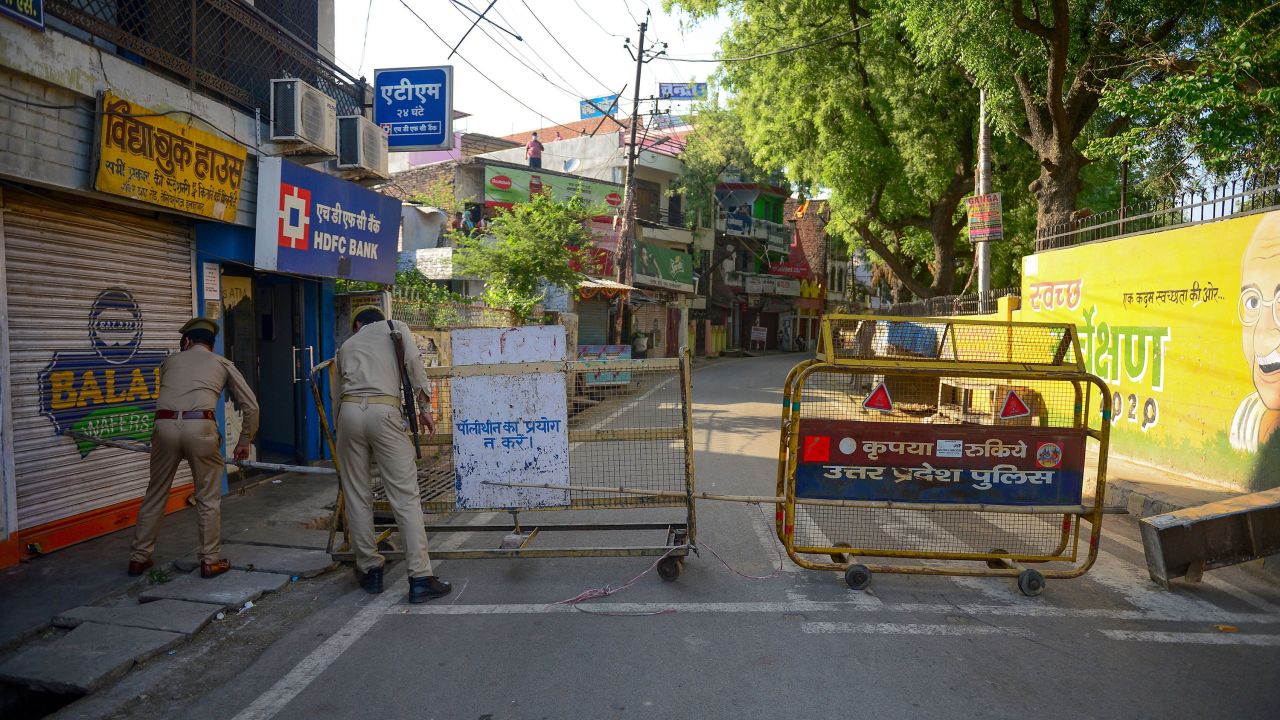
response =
{"points": [[369, 431], [198, 442]]}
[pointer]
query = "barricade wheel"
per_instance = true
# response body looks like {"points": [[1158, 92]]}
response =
{"points": [[669, 568], [1031, 582], [840, 558], [997, 564], [858, 577]]}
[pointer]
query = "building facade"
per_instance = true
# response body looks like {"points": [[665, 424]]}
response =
{"points": [[139, 187]]}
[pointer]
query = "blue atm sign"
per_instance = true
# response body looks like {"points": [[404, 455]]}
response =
{"points": [[414, 106]]}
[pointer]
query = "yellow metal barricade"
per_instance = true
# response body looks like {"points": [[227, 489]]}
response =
{"points": [[950, 446], [629, 424]]}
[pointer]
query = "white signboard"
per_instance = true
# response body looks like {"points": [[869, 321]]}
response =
{"points": [[510, 428]]}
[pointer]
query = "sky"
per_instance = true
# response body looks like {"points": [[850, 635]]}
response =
{"points": [[542, 81]]}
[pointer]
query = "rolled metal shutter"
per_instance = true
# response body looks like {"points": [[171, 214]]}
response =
{"points": [[60, 257], [593, 322]]}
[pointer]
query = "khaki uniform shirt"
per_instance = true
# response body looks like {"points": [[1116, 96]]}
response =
{"points": [[194, 380], [367, 362]]}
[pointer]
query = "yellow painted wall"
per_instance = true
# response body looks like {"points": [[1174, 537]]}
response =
{"points": [[1181, 325]]}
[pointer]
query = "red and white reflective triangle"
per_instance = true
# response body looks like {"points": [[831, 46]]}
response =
{"points": [[1014, 407], [879, 400]]}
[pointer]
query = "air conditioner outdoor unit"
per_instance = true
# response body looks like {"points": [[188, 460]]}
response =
{"points": [[362, 145], [303, 115]]}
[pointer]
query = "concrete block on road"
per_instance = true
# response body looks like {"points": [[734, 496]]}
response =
{"points": [[261, 558], [283, 536], [86, 658], [231, 589], [180, 616]]}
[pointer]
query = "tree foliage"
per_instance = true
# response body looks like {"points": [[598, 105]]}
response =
{"points": [[531, 245], [890, 136], [1217, 98], [1048, 63]]}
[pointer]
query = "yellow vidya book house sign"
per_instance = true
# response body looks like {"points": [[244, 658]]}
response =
{"points": [[146, 156]]}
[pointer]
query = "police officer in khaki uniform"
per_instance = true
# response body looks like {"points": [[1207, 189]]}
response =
{"points": [[191, 385], [371, 426]]}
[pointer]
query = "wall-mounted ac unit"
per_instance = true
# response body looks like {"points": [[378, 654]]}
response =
{"points": [[362, 145], [304, 116]]}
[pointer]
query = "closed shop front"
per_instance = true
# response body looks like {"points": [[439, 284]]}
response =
{"points": [[96, 297], [593, 321]]}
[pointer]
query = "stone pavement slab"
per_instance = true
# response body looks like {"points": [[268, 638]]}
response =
{"points": [[231, 589], [86, 658], [283, 536], [261, 558], [177, 616]]}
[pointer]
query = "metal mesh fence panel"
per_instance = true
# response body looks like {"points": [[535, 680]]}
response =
{"points": [[627, 427]]}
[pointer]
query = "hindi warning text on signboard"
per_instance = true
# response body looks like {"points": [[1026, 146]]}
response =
{"points": [[510, 428]]}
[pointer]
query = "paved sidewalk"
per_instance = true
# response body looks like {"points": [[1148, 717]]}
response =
{"points": [[74, 622]]}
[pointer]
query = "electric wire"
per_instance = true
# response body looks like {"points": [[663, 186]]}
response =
{"points": [[525, 61], [553, 37], [478, 71]]}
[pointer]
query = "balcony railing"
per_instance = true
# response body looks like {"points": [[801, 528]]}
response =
{"points": [[655, 214], [226, 47]]}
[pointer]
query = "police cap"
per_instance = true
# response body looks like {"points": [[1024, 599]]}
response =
{"points": [[200, 323]]}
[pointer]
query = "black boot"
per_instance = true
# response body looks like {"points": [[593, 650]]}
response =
{"points": [[371, 581], [422, 589]]}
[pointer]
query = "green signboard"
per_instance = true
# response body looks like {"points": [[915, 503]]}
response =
{"points": [[663, 267], [504, 187]]}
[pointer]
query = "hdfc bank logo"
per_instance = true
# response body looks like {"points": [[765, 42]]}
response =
{"points": [[295, 217], [502, 182]]}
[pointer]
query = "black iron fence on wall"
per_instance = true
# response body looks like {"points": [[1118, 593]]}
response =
{"points": [[227, 47], [983, 303], [1252, 193]]}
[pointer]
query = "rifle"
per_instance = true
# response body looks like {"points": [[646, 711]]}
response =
{"points": [[410, 400]]}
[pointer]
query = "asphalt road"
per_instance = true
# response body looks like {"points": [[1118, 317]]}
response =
{"points": [[715, 644]]}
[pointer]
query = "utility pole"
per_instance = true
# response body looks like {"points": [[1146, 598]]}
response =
{"points": [[983, 188], [625, 234]]}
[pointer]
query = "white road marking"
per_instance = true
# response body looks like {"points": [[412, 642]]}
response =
{"points": [[768, 537], [268, 704], [859, 603], [1216, 582], [1192, 638], [825, 628]]}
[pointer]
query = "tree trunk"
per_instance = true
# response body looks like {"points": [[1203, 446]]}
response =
{"points": [[1057, 188]]}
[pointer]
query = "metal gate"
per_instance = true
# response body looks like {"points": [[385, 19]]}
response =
{"points": [[630, 448], [933, 441], [96, 298]]}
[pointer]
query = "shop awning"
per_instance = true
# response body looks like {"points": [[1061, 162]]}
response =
{"points": [[599, 287]]}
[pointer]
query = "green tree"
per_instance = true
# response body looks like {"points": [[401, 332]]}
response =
{"points": [[1046, 65], [535, 244], [891, 137], [1217, 98]]}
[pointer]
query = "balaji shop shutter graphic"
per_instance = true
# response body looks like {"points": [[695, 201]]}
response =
{"points": [[108, 391]]}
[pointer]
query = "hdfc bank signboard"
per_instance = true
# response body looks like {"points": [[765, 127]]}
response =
{"points": [[314, 224]]}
